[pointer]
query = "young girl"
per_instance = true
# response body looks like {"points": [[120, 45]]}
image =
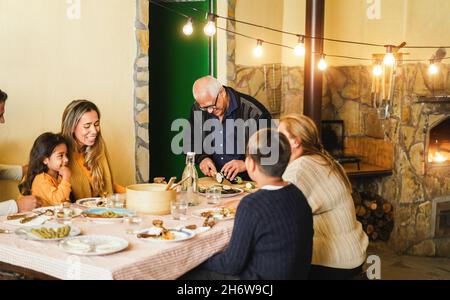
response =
{"points": [[48, 176]]}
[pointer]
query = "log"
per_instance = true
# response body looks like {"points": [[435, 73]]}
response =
{"points": [[387, 207], [373, 205], [379, 212], [374, 235], [356, 197], [370, 229], [389, 216], [360, 211], [384, 235]]}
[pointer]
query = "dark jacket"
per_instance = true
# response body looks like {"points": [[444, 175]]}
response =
{"points": [[241, 107]]}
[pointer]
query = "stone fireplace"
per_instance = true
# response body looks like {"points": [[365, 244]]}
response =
{"points": [[440, 225], [438, 144], [415, 186]]}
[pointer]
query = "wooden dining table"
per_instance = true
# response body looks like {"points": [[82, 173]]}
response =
{"points": [[141, 260]]}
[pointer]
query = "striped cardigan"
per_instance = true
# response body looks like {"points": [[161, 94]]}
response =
{"points": [[339, 241]]}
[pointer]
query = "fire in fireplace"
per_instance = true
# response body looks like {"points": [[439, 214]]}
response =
{"points": [[439, 144]]}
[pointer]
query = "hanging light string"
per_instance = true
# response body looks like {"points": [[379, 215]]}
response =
{"points": [[258, 40]]}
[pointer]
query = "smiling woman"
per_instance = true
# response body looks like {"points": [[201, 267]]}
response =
{"points": [[89, 161]]}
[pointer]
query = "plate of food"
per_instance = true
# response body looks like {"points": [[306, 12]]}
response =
{"points": [[250, 187], [49, 232], [219, 213], [91, 202], [225, 190], [93, 245], [68, 212], [107, 215], [162, 235]]}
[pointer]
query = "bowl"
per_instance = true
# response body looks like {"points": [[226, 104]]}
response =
{"points": [[150, 198]]}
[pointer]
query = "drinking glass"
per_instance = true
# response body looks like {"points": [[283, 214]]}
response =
{"points": [[132, 224], [178, 209], [213, 195]]}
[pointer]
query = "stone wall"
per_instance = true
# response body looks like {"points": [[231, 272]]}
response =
{"points": [[141, 92], [347, 96]]}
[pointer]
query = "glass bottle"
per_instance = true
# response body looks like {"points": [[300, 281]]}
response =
{"points": [[190, 185]]}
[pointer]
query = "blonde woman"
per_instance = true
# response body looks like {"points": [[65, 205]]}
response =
{"points": [[91, 172], [340, 244]]}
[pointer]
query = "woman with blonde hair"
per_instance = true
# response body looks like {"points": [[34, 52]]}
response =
{"points": [[340, 244], [89, 163]]}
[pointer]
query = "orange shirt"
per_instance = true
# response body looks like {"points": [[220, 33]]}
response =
{"points": [[51, 191]]}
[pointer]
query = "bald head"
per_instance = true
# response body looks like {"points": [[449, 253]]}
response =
{"points": [[205, 89]]}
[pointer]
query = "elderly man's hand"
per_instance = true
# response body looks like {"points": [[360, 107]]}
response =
{"points": [[27, 203], [232, 168], [207, 167]]}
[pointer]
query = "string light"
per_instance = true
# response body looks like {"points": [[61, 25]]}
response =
{"points": [[377, 70], [432, 68], [299, 50], [322, 63], [389, 59], [188, 29], [210, 28], [258, 51]]}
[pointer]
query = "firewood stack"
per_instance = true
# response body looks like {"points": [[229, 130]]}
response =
{"points": [[375, 214]]}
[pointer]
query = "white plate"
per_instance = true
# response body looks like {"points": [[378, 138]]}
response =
{"points": [[88, 202], [25, 232], [216, 213], [93, 245], [122, 211], [205, 194], [179, 235], [76, 211]]}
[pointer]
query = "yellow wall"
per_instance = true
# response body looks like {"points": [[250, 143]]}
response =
{"points": [[46, 60], [293, 21], [264, 12], [222, 10], [416, 22]]}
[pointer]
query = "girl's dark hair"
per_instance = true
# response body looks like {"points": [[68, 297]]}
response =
{"points": [[42, 148], [3, 96]]}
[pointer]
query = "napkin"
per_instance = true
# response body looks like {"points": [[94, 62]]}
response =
{"points": [[194, 231], [35, 222]]}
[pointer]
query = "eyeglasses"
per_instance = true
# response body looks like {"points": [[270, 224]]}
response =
{"points": [[210, 108]]}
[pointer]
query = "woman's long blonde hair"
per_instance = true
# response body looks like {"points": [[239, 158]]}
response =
{"points": [[303, 128], [92, 154]]}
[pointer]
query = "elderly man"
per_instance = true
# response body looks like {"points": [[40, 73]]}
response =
{"points": [[221, 106], [25, 203]]}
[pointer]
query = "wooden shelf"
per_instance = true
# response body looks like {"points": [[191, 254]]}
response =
{"points": [[365, 170]]}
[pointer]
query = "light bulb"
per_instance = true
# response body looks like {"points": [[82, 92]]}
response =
{"points": [[258, 51], [433, 69], [299, 49], [389, 59], [377, 70], [187, 28], [210, 28], [322, 63]]}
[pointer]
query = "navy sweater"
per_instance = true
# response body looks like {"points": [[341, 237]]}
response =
{"points": [[272, 237]]}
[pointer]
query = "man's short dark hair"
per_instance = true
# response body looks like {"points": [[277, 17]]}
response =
{"points": [[3, 96], [267, 143]]}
